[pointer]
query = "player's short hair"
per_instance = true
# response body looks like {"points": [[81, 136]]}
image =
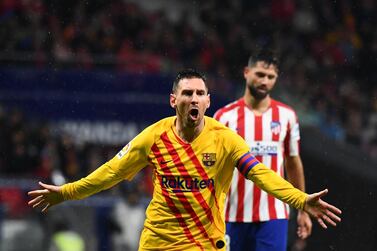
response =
{"points": [[265, 55], [188, 73]]}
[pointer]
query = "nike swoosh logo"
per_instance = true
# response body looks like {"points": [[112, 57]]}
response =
{"points": [[165, 162]]}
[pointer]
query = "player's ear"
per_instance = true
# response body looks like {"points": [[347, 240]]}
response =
{"points": [[209, 100], [173, 100], [246, 70]]}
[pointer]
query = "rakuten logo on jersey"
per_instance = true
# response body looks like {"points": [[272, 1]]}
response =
{"points": [[264, 148], [180, 184]]}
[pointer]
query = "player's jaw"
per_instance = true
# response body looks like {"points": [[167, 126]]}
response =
{"points": [[259, 92], [195, 115]]}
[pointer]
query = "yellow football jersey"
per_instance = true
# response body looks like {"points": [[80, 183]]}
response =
{"points": [[190, 180]]}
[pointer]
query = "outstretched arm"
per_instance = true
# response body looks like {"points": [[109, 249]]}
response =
{"points": [[102, 178], [47, 197], [322, 211], [295, 175], [125, 165], [269, 181]]}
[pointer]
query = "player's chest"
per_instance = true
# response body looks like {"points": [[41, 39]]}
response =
{"points": [[260, 128], [194, 160]]}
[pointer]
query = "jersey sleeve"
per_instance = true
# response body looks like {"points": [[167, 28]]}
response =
{"points": [[292, 140], [235, 145], [272, 183], [124, 165]]}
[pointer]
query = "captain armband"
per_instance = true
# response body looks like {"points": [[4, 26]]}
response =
{"points": [[246, 163]]}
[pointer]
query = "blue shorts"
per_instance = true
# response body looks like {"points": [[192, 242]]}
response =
{"points": [[261, 236]]}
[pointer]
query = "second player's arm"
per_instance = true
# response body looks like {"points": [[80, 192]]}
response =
{"points": [[295, 172], [295, 175]]}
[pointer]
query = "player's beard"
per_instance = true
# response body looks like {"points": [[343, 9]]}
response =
{"points": [[258, 95], [190, 123]]}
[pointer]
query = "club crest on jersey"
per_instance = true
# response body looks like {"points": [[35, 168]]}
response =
{"points": [[209, 159], [275, 127]]}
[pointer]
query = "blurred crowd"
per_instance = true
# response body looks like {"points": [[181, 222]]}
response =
{"points": [[32, 148], [328, 49], [29, 148]]}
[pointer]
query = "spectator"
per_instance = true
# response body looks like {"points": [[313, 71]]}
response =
{"points": [[130, 227], [65, 239]]}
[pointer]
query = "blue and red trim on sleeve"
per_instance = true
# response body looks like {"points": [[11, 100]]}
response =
{"points": [[246, 163]]}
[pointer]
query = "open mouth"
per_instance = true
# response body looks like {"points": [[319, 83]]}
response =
{"points": [[194, 113]]}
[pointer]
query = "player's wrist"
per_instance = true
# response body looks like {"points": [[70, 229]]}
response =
{"points": [[302, 211], [64, 192], [304, 206]]}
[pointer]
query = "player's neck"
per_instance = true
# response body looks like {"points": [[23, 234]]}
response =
{"points": [[258, 106], [188, 134]]}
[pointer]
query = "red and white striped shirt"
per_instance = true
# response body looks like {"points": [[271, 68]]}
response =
{"points": [[271, 136]]}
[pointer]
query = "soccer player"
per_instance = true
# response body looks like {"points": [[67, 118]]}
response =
{"points": [[256, 220], [193, 157]]}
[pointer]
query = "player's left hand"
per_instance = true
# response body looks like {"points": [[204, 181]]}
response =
{"points": [[304, 225], [45, 198], [322, 211]]}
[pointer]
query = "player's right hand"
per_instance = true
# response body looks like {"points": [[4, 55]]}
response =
{"points": [[45, 198]]}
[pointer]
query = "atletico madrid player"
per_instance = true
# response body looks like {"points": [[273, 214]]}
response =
{"points": [[256, 221], [193, 157]]}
